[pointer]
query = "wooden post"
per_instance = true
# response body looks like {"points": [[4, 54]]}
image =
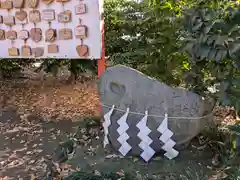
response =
{"points": [[101, 62]]}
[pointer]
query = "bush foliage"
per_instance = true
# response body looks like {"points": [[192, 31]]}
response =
{"points": [[184, 42]]}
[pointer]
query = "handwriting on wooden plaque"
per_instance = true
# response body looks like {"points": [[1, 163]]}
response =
{"points": [[34, 16], [81, 32], [6, 4], [52, 48], [50, 35], [11, 35], [81, 9], [18, 4], [48, 15], [13, 51], [26, 51], [65, 34], [21, 17], [8, 20], [47, 1], [38, 51], [2, 34], [65, 17], [36, 34], [82, 50], [32, 3], [23, 35]]}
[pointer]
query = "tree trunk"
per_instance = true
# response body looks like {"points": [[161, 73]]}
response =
{"points": [[73, 69]]}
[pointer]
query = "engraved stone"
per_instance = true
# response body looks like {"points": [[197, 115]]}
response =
{"points": [[118, 82]]}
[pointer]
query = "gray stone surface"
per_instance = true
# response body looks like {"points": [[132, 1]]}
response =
{"points": [[125, 87]]}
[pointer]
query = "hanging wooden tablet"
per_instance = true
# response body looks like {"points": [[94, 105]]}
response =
{"points": [[65, 17], [18, 3], [23, 35], [36, 34], [37, 52], [81, 32], [26, 51], [8, 20], [65, 34], [2, 34], [50, 35], [34, 16], [7, 4], [32, 3], [13, 51], [11, 35], [62, 1], [81, 8], [52, 48], [1, 19], [48, 15], [82, 50], [21, 17], [47, 1]]}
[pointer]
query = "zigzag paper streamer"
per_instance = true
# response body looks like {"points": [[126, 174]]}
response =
{"points": [[166, 139], [148, 152], [106, 124], [123, 136]]}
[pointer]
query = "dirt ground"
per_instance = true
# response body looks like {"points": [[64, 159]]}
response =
{"points": [[34, 120]]}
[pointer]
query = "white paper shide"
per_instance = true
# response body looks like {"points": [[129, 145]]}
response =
{"points": [[148, 152], [166, 139]]}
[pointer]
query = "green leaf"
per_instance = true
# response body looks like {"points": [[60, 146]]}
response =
{"points": [[235, 47], [197, 27], [212, 53], [205, 52], [218, 56]]}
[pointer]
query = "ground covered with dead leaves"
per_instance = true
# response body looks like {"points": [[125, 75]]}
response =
{"points": [[35, 119]]}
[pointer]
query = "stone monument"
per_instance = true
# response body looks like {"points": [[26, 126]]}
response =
{"points": [[130, 90]]}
